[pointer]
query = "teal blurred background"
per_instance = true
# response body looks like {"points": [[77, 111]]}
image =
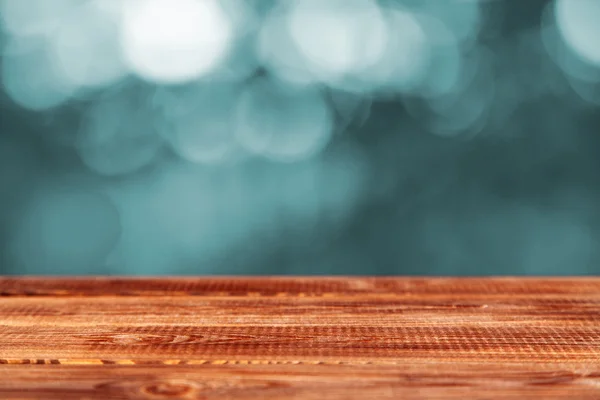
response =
{"points": [[155, 137]]}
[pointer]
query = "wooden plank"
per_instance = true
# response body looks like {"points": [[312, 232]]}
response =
{"points": [[299, 337], [298, 381]]}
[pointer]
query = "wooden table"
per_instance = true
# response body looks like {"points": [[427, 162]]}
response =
{"points": [[299, 338]]}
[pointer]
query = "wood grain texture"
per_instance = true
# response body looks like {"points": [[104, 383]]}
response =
{"points": [[300, 338]]}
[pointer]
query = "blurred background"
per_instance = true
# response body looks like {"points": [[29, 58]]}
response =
{"points": [[452, 137]]}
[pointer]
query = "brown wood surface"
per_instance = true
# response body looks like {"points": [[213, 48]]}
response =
{"points": [[300, 338]]}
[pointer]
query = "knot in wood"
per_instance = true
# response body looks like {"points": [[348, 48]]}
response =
{"points": [[167, 389]]}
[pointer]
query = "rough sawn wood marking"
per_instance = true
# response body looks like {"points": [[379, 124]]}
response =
{"points": [[300, 338]]}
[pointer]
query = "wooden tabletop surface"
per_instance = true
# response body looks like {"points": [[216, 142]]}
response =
{"points": [[300, 338]]}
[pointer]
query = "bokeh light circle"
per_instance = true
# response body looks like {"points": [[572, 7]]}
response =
{"points": [[174, 41], [282, 123], [29, 85], [199, 121], [119, 134], [86, 47], [338, 37], [579, 24]]}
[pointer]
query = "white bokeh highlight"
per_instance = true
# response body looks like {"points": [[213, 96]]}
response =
{"points": [[174, 41], [579, 24]]}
